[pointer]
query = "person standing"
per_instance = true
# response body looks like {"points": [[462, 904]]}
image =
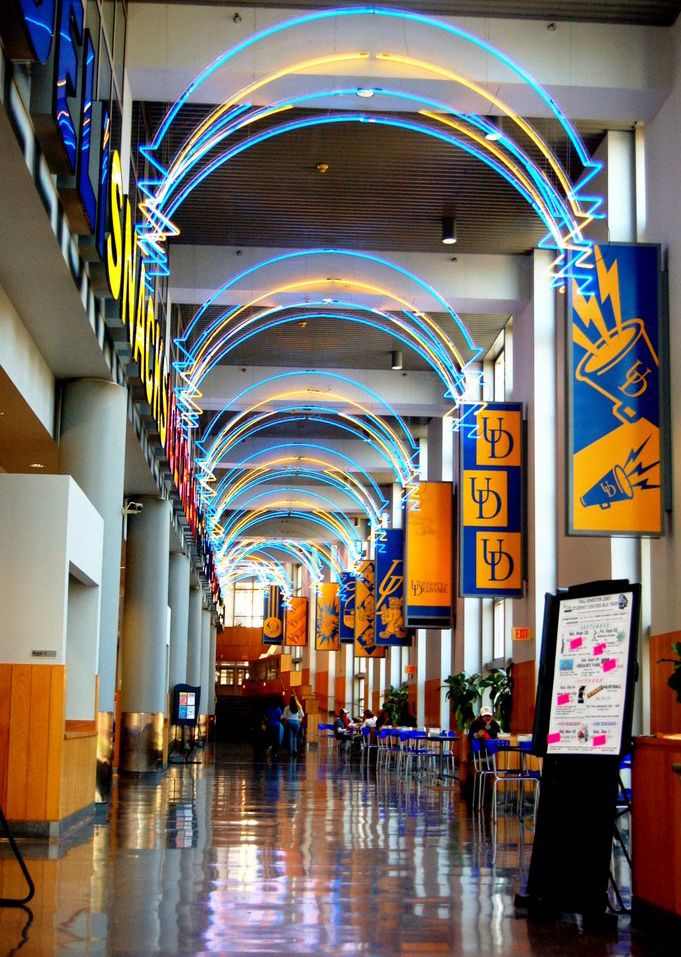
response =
{"points": [[293, 717]]}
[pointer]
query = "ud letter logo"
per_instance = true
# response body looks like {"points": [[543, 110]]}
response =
{"points": [[485, 496], [499, 561], [499, 439]]}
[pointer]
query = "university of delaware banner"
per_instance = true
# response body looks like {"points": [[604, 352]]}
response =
{"points": [[429, 556], [346, 608], [614, 409], [327, 618], [491, 499], [273, 616], [389, 596], [296, 622], [365, 644]]}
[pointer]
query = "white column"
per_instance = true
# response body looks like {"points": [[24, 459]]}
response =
{"points": [[194, 636], [178, 599]]}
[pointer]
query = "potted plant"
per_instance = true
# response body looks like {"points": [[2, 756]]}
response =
{"points": [[463, 691], [674, 680], [499, 683], [395, 701]]}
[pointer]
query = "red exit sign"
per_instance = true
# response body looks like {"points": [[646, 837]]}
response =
{"points": [[410, 669], [522, 634]]}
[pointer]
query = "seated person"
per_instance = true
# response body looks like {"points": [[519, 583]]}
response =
{"points": [[342, 723], [384, 718], [406, 718], [484, 727], [368, 719]]}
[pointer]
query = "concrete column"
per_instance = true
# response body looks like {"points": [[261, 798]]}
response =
{"points": [[92, 450], [145, 628], [205, 673], [194, 636], [178, 599], [211, 668]]}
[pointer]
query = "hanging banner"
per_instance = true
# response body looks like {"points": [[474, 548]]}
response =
{"points": [[614, 396], [491, 510], [273, 616], [365, 643], [346, 608], [429, 556], [296, 622], [327, 618], [389, 598]]}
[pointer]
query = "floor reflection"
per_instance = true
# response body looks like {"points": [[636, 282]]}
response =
{"points": [[291, 857]]}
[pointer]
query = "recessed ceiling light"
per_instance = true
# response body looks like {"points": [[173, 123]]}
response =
{"points": [[327, 300], [322, 168], [365, 92], [37, 465], [302, 323]]}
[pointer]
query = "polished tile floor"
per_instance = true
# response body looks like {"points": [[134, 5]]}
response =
{"points": [[290, 858]]}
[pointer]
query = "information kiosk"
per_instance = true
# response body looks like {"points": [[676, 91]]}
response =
{"points": [[582, 728]]}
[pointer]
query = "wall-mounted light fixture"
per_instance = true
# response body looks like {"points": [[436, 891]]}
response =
{"points": [[448, 230], [494, 133], [396, 359]]}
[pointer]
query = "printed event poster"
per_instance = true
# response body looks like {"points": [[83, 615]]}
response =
{"points": [[389, 596], [273, 616], [590, 674], [614, 414], [365, 612], [327, 618], [491, 497], [296, 622], [346, 608], [429, 556]]}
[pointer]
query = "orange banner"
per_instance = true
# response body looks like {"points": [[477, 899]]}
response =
{"points": [[327, 637], [296, 623], [429, 556], [365, 613]]}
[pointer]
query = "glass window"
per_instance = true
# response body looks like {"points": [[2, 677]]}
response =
{"points": [[498, 650]]}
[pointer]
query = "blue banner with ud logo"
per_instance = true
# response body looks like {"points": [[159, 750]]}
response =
{"points": [[346, 608], [389, 595], [614, 396], [491, 497]]}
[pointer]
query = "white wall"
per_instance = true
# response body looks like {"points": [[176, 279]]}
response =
{"points": [[23, 363], [48, 530]]}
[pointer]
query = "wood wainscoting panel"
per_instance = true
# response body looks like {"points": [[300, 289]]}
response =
{"points": [[32, 708], [665, 710], [78, 774], [524, 696], [5, 711]]}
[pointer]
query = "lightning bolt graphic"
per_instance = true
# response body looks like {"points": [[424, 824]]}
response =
{"points": [[589, 312], [634, 455], [609, 286]]}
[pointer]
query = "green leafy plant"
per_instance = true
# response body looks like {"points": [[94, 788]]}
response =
{"points": [[395, 701], [674, 680], [464, 693], [499, 683]]}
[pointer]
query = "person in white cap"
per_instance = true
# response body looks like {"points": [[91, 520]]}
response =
{"points": [[484, 727]]}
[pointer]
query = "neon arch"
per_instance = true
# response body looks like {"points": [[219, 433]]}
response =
{"points": [[565, 266], [296, 447], [326, 475], [320, 517], [398, 459], [312, 555]]}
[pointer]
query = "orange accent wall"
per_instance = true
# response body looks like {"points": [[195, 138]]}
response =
{"points": [[239, 644], [524, 696], [339, 689], [665, 711], [321, 689], [432, 702]]}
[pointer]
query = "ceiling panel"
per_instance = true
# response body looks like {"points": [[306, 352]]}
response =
{"points": [[656, 12]]}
